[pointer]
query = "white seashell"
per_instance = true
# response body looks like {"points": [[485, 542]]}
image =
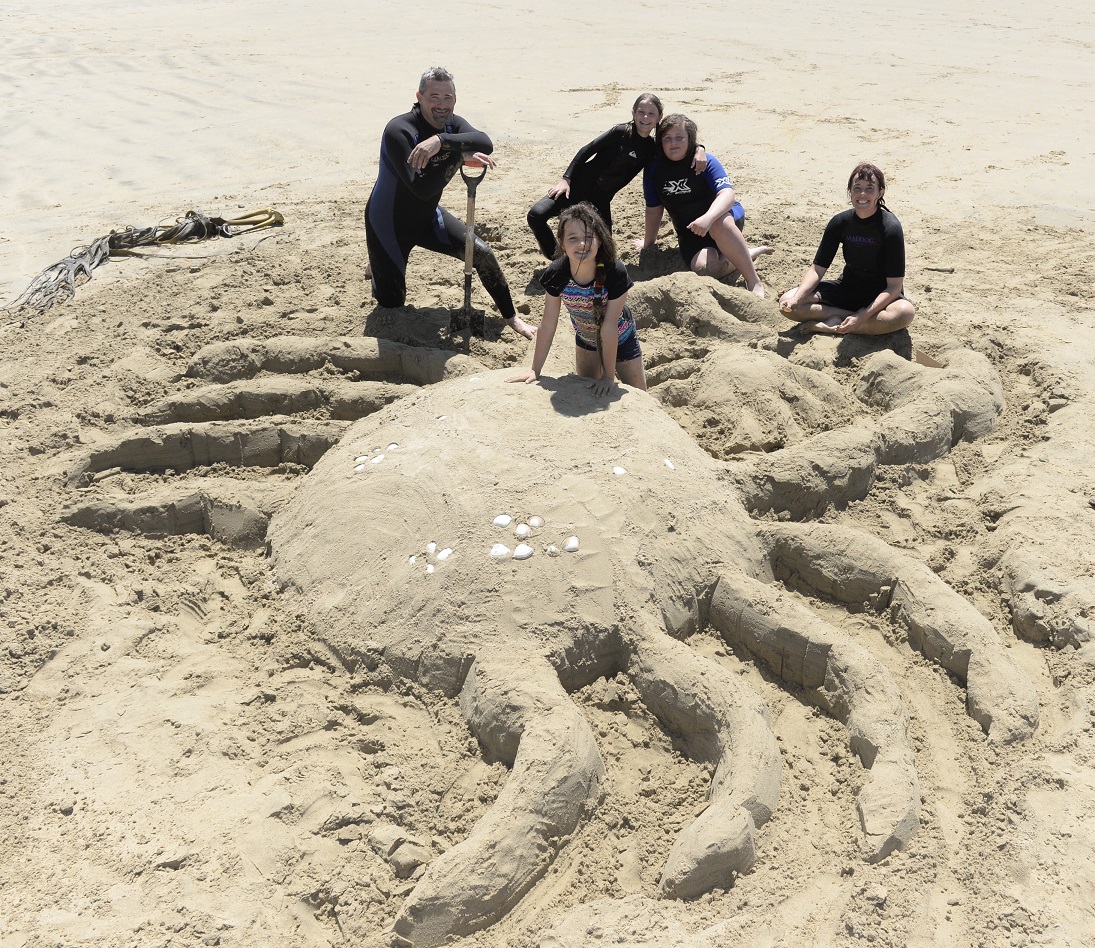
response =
{"points": [[442, 417], [430, 547], [552, 550], [522, 530], [474, 378], [359, 468], [619, 470], [669, 464], [536, 522], [571, 545], [411, 560], [502, 520], [392, 446], [499, 550], [362, 458], [429, 568], [445, 554], [523, 551], [377, 459]]}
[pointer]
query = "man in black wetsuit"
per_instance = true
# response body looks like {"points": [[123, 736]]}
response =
{"points": [[419, 154]]}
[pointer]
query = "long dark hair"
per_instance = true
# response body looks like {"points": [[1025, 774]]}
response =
{"points": [[588, 217], [865, 171]]}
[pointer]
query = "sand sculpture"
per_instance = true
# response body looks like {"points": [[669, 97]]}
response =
{"points": [[387, 543]]}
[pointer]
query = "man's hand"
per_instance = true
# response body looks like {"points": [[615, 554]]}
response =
{"points": [[422, 152], [479, 160]]}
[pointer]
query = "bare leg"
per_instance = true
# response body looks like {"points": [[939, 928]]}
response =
{"points": [[632, 373], [732, 245], [815, 316]]}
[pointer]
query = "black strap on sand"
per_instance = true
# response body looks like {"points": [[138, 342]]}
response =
{"points": [[57, 284]]}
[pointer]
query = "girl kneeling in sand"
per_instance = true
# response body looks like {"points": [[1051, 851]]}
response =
{"points": [[868, 297], [593, 284], [706, 215]]}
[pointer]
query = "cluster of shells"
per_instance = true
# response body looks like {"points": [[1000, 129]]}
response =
{"points": [[377, 455], [523, 532]]}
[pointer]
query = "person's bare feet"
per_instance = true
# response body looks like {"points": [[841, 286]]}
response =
{"points": [[519, 326], [755, 252], [820, 325], [757, 289]]}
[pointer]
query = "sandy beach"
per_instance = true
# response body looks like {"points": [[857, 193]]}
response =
{"points": [[246, 702]]}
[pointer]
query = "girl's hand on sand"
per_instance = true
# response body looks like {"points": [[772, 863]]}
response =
{"points": [[639, 244], [528, 377], [562, 189]]}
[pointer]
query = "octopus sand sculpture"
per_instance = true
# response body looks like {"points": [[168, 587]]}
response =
{"points": [[632, 539]]}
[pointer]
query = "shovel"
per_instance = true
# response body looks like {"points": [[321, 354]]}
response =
{"points": [[465, 319]]}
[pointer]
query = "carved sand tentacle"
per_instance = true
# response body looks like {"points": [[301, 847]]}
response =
{"points": [[857, 569], [273, 396], [700, 306], [725, 724], [847, 682], [928, 412], [236, 514], [520, 712], [365, 355], [181, 447], [1041, 515]]}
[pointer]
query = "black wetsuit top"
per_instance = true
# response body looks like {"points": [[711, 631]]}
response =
{"points": [[404, 199], [609, 162], [874, 248]]}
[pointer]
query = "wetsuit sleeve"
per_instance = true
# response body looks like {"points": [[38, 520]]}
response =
{"points": [[830, 242], [893, 259], [617, 280], [465, 137], [650, 185], [599, 144], [715, 175], [396, 147]]}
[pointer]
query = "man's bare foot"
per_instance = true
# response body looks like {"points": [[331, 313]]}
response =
{"points": [[757, 289], [755, 252], [518, 325]]}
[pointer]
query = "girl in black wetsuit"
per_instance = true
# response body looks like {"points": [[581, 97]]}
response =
{"points": [[601, 169], [868, 297]]}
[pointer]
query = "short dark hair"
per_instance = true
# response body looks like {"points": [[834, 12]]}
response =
{"points": [[672, 121], [435, 74]]}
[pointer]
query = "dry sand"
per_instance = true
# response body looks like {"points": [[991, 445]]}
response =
{"points": [[186, 763]]}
